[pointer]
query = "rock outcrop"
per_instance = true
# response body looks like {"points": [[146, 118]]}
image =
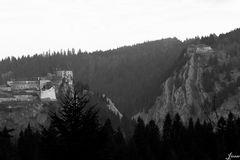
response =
{"points": [[203, 75]]}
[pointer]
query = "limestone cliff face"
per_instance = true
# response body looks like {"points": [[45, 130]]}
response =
{"points": [[105, 106], [189, 91], [18, 115]]}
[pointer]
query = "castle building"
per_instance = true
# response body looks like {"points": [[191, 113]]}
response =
{"points": [[67, 75], [200, 49], [203, 49], [48, 94], [45, 88]]}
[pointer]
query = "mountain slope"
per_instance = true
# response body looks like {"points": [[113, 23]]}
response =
{"points": [[17, 114], [205, 86], [128, 75]]}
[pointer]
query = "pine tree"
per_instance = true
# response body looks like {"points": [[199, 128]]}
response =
{"points": [[168, 152], [153, 137], [28, 144], [221, 132], [237, 134], [7, 151], [119, 145], [167, 128], [177, 128], [189, 143], [177, 134], [230, 133], [76, 128], [140, 141], [107, 133], [49, 146]]}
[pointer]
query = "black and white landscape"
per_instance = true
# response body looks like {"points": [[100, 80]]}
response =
{"points": [[122, 80]]}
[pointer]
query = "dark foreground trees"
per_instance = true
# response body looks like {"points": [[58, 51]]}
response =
{"points": [[196, 141], [7, 149], [74, 130], [75, 133]]}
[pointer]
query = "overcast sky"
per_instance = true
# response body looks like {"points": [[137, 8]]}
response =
{"points": [[34, 26]]}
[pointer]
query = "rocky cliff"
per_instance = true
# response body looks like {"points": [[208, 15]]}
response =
{"points": [[18, 114], [204, 85]]}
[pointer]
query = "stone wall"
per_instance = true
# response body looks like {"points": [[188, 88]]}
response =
{"points": [[5, 88], [22, 85], [25, 97], [49, 94], [204, 49]]}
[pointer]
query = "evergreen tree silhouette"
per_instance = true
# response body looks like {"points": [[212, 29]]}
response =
{"points": [[28, 144], [230, 134], [177, 134], [221, 132], [49, 146], [189, 143], [107, 133], [7, 151], [153, 137], [140, 140], [167, 139], [167, 128], [76, 128], [237, 134], [177, 128], [120, 146]]}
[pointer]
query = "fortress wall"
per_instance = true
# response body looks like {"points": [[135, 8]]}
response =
{"points": [[21, 85], [5, 88], [29, 90], [24, 97], [7, 99], [48, 94]]}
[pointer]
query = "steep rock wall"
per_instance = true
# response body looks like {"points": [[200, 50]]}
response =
{"points": [[193, 84]]}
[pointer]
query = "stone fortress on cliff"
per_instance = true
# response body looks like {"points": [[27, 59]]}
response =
{"points": [[37, 88]]}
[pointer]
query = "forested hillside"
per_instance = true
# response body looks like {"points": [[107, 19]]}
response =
{"points": [[203, 84], [130, 75], [229, 42]]}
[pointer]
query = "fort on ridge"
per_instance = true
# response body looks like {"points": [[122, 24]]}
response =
{"points": [[36, 88], [200, 49]]}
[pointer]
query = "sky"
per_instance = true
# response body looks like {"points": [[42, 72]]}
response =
{"points": [[28, 27]]}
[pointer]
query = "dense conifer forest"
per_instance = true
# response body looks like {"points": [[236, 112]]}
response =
{"points": [[75, 133], [128, 75], [131, 76]]}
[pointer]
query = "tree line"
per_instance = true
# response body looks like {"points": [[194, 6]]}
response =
{"points": [[130, 71], [75, 133]]}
